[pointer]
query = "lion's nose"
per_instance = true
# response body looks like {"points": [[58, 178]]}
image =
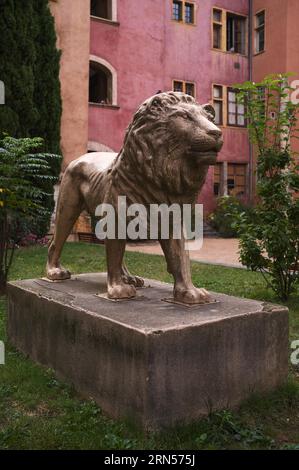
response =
{"points": [[215, 132]]}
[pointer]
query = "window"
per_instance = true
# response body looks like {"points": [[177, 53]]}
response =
{"points": [[177, 11], [100, 84], [101, 9], [189, 13], [217, 179], [190, 89], [236, 179], [217, 28], [230, 179], [235, 110], [228, 112], [184, 87], [218, 103], [260, 32], [178, 86], [236, 33], [229, 31], [183, 11], [261, 96]]}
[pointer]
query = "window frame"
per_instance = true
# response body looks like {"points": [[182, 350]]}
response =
{"points": [[235, 165], [102, 63], [221, 100], [229, 90], [257, 30], [222, 178], [183, 18], [220, 166], [223, 25], [192, 5], [184, 83], [220, 25], [113, 19], [106, 73], [224, 100], [242, 43], [175, 2]]}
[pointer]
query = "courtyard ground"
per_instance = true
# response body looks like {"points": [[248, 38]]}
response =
{"points": [[217, 251], [37, 411]]}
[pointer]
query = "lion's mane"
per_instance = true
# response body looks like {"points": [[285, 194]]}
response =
{"points": [[144, 168]]}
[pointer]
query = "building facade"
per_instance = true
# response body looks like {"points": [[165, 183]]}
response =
{"points": [[275, 38], [117, 53]]}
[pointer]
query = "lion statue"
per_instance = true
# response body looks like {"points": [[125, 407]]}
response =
{"points": [[167, 151]]}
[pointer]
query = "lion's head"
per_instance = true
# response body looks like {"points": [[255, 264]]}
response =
{"points": [[171, 142]]}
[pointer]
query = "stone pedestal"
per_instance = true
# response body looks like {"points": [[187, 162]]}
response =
{"points": [[152, 362]]}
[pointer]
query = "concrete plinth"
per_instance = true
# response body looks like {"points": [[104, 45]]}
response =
{"points": [[146, 360]]}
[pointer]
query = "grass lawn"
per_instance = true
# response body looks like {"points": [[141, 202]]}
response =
{"points": [[39, 412]]}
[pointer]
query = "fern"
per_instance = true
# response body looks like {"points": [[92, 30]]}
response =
{"points": [[25, 179]]}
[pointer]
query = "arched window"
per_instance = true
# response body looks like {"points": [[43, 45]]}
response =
{"points": [[103, 9], [97, 147], [102, 82]]}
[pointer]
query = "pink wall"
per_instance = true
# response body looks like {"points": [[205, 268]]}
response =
{"points": [[292, 52], [273, 60], [73, 32], [281, 42], [149, 50]]}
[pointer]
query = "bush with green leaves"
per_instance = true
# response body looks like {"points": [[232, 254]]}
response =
{"points": [[223, 218], [25, 175], [269, 243]]}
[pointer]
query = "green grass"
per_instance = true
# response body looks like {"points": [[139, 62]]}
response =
{"points": [[39, 412]]}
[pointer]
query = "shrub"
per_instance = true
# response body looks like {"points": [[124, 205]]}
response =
{"points": [[24, 173], [224, 216], [270, 243]]}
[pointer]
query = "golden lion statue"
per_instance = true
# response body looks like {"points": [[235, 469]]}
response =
{"points": [[167, 151]]}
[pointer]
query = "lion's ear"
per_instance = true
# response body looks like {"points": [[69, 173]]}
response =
{"points": [[156, 102], [209, 109]]}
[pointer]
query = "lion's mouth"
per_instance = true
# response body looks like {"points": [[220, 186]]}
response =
{"points": [[207, 157]]}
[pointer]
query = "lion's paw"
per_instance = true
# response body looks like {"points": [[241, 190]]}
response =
{"points": [[135, 281], [192, 296], [58, 274], [121, 291]]}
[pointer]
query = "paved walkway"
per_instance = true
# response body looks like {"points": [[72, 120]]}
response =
{"points": [[222, 251]]}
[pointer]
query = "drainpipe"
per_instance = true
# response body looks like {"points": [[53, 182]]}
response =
{"points": [[250, 57]]}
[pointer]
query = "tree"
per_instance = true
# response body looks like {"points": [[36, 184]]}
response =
{"points": [[18, 54], [29, 68], [23, 172], [47, 95], [47, 84], [269, 237]]}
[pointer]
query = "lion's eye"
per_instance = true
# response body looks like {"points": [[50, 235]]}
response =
{"points": [[185, 116]]}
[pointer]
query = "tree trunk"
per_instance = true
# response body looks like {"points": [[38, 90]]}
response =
{"points": [[6, 251]]}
